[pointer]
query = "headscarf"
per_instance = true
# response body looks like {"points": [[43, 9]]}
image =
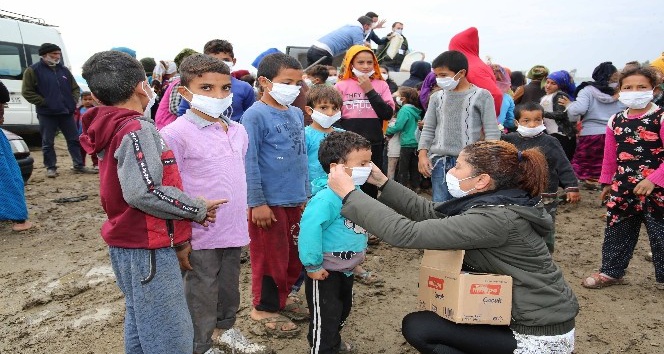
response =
{"points": [[537, 73], [601, 75], [184, 53], [503, 79], [239, 73], [427, 86], [162, 68], [658, 63], [347, 63], [126, 50], [564, 81]]}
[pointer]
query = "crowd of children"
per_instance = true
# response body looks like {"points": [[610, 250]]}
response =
{"points": [[258, 163]]}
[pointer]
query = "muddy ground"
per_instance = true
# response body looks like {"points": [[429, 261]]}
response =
{"points": [[58, 295]]}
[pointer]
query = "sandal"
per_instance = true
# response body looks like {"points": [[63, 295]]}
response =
{"points": [[295, 311], [261, 327], [368, 278], [599, 280]]}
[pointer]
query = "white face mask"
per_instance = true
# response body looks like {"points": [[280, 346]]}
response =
{"points": [[385, 76], [52, 62], [359, 73], [360, 174], [399, 100], [447, 83], [148, 109], [530, 132], [454, 185], [324, 120], [635, 99], [210, 106], [331, 80], [284, 94], [230, 65], [308, 82], [398, 31]]}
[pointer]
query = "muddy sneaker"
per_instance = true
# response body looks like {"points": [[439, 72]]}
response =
{"points": [[232, 341], [51, 173], [83, 169]]}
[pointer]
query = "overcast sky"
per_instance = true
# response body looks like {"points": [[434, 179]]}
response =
{"points": [[562, 34]]}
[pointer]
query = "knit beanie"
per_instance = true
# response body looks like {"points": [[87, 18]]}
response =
{"points": [[658, 63], [48, 48], [131, 52], [603, 72]]}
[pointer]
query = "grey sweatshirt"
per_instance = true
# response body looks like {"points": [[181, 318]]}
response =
{"points": [[596, 108], [456, 119]]}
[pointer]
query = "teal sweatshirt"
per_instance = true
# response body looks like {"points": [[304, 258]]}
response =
{"points": [[406, 123], [328, 240]]}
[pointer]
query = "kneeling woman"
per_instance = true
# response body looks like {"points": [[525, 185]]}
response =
{"points": [[497, 218]]}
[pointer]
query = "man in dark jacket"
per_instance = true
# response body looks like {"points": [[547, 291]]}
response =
{"points": [[393, 63], [51, 87]]}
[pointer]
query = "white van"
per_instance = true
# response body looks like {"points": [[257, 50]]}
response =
{"points": [[20, 38]]}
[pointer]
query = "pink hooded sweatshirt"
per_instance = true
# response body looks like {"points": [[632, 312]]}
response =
{"points": [[479, 73]]}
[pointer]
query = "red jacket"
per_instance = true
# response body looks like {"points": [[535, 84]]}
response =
{"points": [[140, 185]]}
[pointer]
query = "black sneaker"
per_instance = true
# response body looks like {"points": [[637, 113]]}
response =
{"points": [[51, 173], [83, 169]]}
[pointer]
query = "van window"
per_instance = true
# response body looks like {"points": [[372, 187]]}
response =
{"points": [[12, 61], [33, 54]]}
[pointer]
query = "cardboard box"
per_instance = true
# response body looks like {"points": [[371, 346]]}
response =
{"points": [[461, 297]]}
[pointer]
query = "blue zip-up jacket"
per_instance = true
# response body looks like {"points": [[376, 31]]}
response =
{"points": [[52, 89], [328, 240], [276, 161]]}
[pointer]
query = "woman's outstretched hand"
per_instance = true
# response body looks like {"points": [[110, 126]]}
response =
{"points": [[377, 177], [339, 181]]}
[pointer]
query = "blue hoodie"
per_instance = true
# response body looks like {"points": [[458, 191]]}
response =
{"points": [[328, 240]]}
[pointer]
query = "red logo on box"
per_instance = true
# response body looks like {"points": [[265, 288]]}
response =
{"points": [[485, 289], [435, 283]]}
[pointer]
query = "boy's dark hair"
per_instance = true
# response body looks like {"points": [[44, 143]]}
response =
{"points": [[528, 107], [86, 93], [148, 64], [248, 79], [319, 71], [217, 46], [337, 145], [112, 76], [646, 71], [273, 63], [184, 53], [451, 59], [199, 64], [371, 14], [324, 93], [364, 20], [411, 95], [397, 23]]}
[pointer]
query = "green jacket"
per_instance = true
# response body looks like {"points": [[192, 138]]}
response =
{"points": [[406, 124], [498, 238]]}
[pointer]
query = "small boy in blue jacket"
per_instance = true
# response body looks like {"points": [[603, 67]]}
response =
{"points": [[330, 246]]}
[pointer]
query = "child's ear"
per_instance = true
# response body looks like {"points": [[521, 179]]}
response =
{"points": [[185, 93], [263, 82], [308, 110], [332, 165]]}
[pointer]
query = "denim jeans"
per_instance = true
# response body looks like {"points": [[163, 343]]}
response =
{"points": [[48, 126], [156, 316], [441, 164]]}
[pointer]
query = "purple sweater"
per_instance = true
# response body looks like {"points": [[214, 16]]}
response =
{"points": [[211, 164]]}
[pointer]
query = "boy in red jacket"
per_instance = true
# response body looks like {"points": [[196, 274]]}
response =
{"points": [[148, 227]]}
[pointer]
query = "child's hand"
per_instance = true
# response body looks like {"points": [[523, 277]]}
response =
{"points": [[573, 197], [211, 215], [424, 165], [604, 196], [365, 83], [262, 216], [644, 187], [319, 275], [183, 256]]}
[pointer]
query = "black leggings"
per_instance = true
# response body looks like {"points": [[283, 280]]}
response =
{"points": [[429, 333]]}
